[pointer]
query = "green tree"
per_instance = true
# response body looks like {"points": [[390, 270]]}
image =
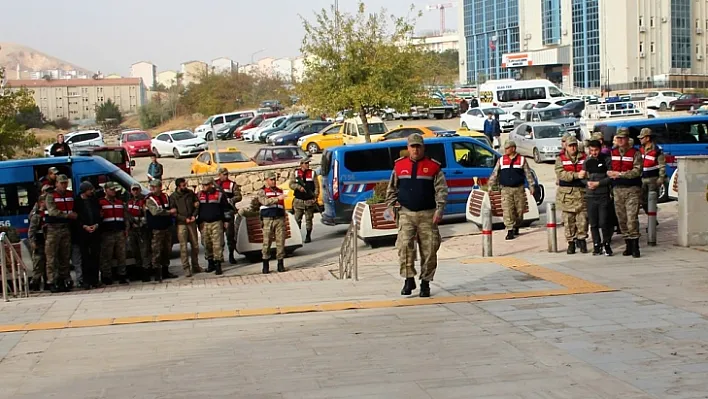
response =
{"points": [[154, 113], [108, 113], [13, 135], [31, 118], [359, 61]]}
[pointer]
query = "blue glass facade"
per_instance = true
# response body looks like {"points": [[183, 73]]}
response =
{"points": [[491, 29], [586, 43], [551, 20], [680, 33]]}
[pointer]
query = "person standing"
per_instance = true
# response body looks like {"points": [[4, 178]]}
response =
{"points": [[272, 211], [492, 129], [571, 195], [155, 169], [626, 175], [233, 196], [464, 106], [417, 186], [187, 205], [88, 235], [159, 219], [49, 182], [60, 214], [139, 237], [511, 172], [114, 229], [305, 185], [597, 195], [653, 166], [213, 211], [35, 235], [60, 148]]}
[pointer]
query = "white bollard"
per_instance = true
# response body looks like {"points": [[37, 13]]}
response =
{"points": [[551, 225], [651, 218], [487, 232]]}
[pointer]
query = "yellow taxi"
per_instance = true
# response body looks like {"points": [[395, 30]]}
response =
{"points": [[331, 136], [465, 132], [229, 158], [402, 132], [290, 194]]}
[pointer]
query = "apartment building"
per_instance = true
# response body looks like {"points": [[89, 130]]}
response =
{"points": [[167, 78], [438, 44], [223, 65], [146, 71], [192, 71], [77, 98]]}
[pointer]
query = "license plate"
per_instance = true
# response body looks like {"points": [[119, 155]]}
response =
{"points": [[142, 150]]}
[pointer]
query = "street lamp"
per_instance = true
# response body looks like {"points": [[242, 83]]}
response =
{"points": [[257, 52]]}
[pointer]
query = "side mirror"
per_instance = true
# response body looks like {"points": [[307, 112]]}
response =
{"points": [[132, 162], [528, 136], [209, 162]]}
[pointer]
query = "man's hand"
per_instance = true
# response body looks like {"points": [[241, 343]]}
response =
{"points": [[437, 218], [532, 190], [613, 174], [582, 174], [226, 225], [72, 215], [173, 211], [281, 197], [592, 185], [301, 189], [660, 181]]}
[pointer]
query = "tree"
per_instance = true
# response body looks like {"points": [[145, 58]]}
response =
{"points": [[13, 135], [31, 118], [359, 62], [108, 113]]}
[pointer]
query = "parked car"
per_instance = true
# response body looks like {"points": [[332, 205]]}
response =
{"points": [[214, 122], [80, 139], [543, 142], [230, 158], [688, 101], [425, 131], [331, 136], [553, 114], [270, 132], [474, 118], [250, 134], [560, 101], [574, 108], [227, 131], [661, 99], [272, 104], [177, 143], [255, 121], [291, 137], [136, 142], [118, 156], [279, 154]]}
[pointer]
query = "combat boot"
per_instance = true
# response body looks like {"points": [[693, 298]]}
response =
{"points": [[232, 259], [583, 246], [196, 269], [123, 279], [210, 267], [145, 275], [516, 231], [158, 275], [166, 273], [424, 289], [266, 266], [608, 249], [308, 237], [217, 268], [408, 286], [57, 286], [510, 235], [35, 284], [635, 248], [628, 249], [281, 265], [187, 272], [571, 248], [107, 280], [596, 249]]}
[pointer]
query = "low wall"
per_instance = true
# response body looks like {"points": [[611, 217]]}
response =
{"points": [[692, 201]]}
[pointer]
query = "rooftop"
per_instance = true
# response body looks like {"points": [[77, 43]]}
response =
{"points": [[73, 82]]}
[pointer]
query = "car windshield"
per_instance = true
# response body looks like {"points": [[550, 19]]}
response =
{"points": [[180, 136], [374, 128], [495, 111], [208, 121], [115, 157], [138, 137], [229, 157], [548, 132], [125, 179], [289, 153], [437, 129], [549, 114], [293, 126]]}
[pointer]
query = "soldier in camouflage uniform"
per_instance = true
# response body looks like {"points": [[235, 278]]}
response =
{"points": [[233, 196], [159, 219], [653, 166], [139, 239], [60, 213], [305, 185], [214, 214], [114, 230], [570, 196], [272, 202], [626, 175], [35, 235], [511, 172], [418, 189]]}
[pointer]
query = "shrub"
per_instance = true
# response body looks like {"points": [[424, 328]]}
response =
{"points": [[63, 123]]}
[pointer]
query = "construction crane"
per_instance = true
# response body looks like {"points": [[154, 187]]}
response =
{"points": [[442, 7]]}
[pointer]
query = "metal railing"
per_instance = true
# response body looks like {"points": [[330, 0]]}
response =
{"points": [[18, 271], [348, 263]]}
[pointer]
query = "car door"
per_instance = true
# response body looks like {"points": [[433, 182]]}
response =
{"points": [[163, 144], [217, 122], [201, 164], [469, 164], [259, 158], [331, 138], [517, 137], [476, 120]]}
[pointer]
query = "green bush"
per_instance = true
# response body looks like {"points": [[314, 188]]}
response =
{"points": [[108, 113], [379, 196]]}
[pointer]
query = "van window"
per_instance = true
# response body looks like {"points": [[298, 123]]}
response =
{"points": [[369, 160], [218, 120], [17, 199], [684, 133], [473, 156], [112, 156], [232, 117], [536, 93], [435, 151], [554, 92], [374, 128], [326, 162], [659, 130]]}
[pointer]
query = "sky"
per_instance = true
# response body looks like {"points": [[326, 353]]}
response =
{"points": [[109, 36]]}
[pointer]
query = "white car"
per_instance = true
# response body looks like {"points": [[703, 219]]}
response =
{"points": [[474, 118], [80, 140], [178, 143], [250, 134], [660, 99], [213, 123], [561, 101]]}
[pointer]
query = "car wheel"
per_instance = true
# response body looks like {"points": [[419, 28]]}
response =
{"points": [[313, 148], [464, 125], [208, 136], [389, 117], [536, 156], [517, 115], [157, 153], [175, 153], [673, 108], [662, 107], [663, 193]]}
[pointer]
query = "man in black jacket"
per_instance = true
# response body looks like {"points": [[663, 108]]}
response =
{"points": [[598, 198], [88, 234], [60, 148]]}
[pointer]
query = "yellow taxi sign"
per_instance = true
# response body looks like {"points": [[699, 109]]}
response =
{"points": [[232, 149]]}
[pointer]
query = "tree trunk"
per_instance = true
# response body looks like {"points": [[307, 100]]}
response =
{"points": [[365, 123]]}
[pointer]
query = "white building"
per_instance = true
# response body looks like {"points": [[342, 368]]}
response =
{"points": [[283, 68], [193, 71], [438, 44], [248, 69], [167, 78], [298, 68], [147, 71], [223, 65]]}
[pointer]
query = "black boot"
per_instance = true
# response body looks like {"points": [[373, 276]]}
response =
{"points": [[158, 275], [57, 286], [308, 237], [635, 248], [596, 249], [232, 259], [123, 279], [608, 249], [210, 267], [281, 265], [408, 286], [571, 248], [145, 275], [106, 280], [266, 266], [628, 248], [166, 273], [516, 231], [510, 235], [583, 246], [217, 267], [424, 289], [35, 284]]}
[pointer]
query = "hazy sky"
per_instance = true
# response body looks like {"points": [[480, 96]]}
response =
{"points": [[111, 35]]}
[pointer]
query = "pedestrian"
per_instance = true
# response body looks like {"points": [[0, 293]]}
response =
{"points": [[305, 185], [60, 214], [60, 148], [233, 196], [187, 205], [653, 166], [114, 230], [139, 236], [159, 219], [464, 106], [418, 191], [48, 182], [213, 214], [36, 237], [570, 196], [272, 211], [155, 169], [474, 103], [88, 234], [597, 196], [492, 129], [626, 175], [511, 172]]}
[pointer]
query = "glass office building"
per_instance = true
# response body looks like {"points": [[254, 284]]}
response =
{"points": [[586, 43], [551, 18], [680, 33]]}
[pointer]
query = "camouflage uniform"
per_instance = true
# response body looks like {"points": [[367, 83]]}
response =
{"points": [[233, 194], [301, 206], [651, 183], [113, 238], [513, 198], [571, 198], [273, 228], [627, 196], [36, 235], [161, 243], [212, 235], [139, 234], [58, 237]]}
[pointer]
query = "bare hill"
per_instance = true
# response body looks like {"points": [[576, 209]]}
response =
{"points": [[30, 59]]}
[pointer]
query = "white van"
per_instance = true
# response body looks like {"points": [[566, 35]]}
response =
{"points": [[354, 130], [511, 95], [213, 123]]}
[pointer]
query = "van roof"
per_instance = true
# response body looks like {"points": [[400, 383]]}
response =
{"points": [[517, 83], [672, 119], [397, 143], [50, 161]]}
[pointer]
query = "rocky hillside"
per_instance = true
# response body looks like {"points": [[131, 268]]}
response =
{"points": [[30, 59]]}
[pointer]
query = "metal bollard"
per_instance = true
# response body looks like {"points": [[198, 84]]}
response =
{"points": [[651, 218], [487, 232], [355, 254], [551, 225]]}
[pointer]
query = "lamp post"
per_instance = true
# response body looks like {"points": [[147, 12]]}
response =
{"points": [[254, 54], [496, 58]]}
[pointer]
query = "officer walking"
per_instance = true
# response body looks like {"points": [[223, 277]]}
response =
{"points": [[60, 213], [114, 230], [187, 205], [597, 195], [35, 234], [626, 175], [233, 196], [510, 172], [418, 187], [653, 166], [159, 219], [303, 182], [87, 234], [139, 237], [213, 211], [571, 195], [272, 209]]}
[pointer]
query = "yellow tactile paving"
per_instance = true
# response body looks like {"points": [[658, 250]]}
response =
{"points": [[572, 286]]}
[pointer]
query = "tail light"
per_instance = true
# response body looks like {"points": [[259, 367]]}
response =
{"points": [[335, 181], [494, 104], [127, 164]]}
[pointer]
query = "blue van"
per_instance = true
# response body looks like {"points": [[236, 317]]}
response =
{"points": [[676, 136], [349, 173]]}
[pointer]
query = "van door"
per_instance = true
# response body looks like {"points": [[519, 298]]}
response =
{"points": [[682, 139], [217, 122], [469, 164]]}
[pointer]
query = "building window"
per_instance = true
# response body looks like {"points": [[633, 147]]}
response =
{"points": [[698, 23], [641, 47], [698, 48], [680, 34], [551, 21], [641, 21], [651, 47], [586, 43]]}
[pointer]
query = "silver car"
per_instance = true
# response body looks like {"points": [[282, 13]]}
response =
{"points": [[541, 140]]}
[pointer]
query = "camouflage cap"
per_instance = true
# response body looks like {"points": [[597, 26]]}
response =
{"points": [[305, 160], [207, 180], [53, 170], [223, 171], [62, 179], [155, 183], [596, 136], [415, 139], [134, 186], [565, 137], [646, 132], [571, 141], [622, 132], [111, 185], [509, 144], [270, 175]]}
